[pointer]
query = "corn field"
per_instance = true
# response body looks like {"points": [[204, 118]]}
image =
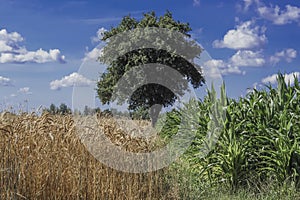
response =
{"points": [[258, 150]]}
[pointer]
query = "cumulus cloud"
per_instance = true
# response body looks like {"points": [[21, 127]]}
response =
{"points": [[287, 54], [275, 14], [73, 79], [10, 38], [288, 78], [4, 81], [213, 68], [247, 58], [242, 58], [230, 69], [39, 56], [25, 90], [12, 52], [280, 16], [244, 36], [99, 36]]}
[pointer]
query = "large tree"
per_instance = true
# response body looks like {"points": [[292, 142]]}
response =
{"points": [[149, 96]]}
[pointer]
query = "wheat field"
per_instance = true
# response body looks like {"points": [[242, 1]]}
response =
{"points": [[41, 157]]}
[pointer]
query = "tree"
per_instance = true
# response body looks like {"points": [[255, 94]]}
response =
{"points": [[149, 96], [52, 109], [63, 109]]}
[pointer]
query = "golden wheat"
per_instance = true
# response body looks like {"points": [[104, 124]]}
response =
{"points": [[41, 157]]}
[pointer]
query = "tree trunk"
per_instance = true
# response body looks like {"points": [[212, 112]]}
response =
{"points": [[154, 112]]}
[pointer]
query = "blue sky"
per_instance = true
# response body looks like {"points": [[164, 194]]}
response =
{"points": [[43, 43]]}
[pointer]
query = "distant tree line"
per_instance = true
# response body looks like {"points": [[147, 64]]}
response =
{"points": [[63, 109]]}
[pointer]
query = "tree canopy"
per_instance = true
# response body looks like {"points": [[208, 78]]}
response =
{"points": [[152, 94], [63, 109]]}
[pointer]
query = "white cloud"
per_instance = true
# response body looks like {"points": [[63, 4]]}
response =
{"points": [[94, 54], [25, 90], [5, 81], [275, 14], [10, 37], [232, 70], [247, 58], [196, 3], [287, 54], [243, 58], [288, 78], [278, 16], [39, 56], [73, 79], [270, 79], [213, 68], [12, 52], [99, 36], [245, 36]]}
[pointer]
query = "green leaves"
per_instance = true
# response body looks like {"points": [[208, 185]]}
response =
{"points": [[259, 141], [152, 40]]}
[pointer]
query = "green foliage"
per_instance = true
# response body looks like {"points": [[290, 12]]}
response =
{"points": [[149, 20], [258, 142], [140, 114], [63, 109], [149, 94]]}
